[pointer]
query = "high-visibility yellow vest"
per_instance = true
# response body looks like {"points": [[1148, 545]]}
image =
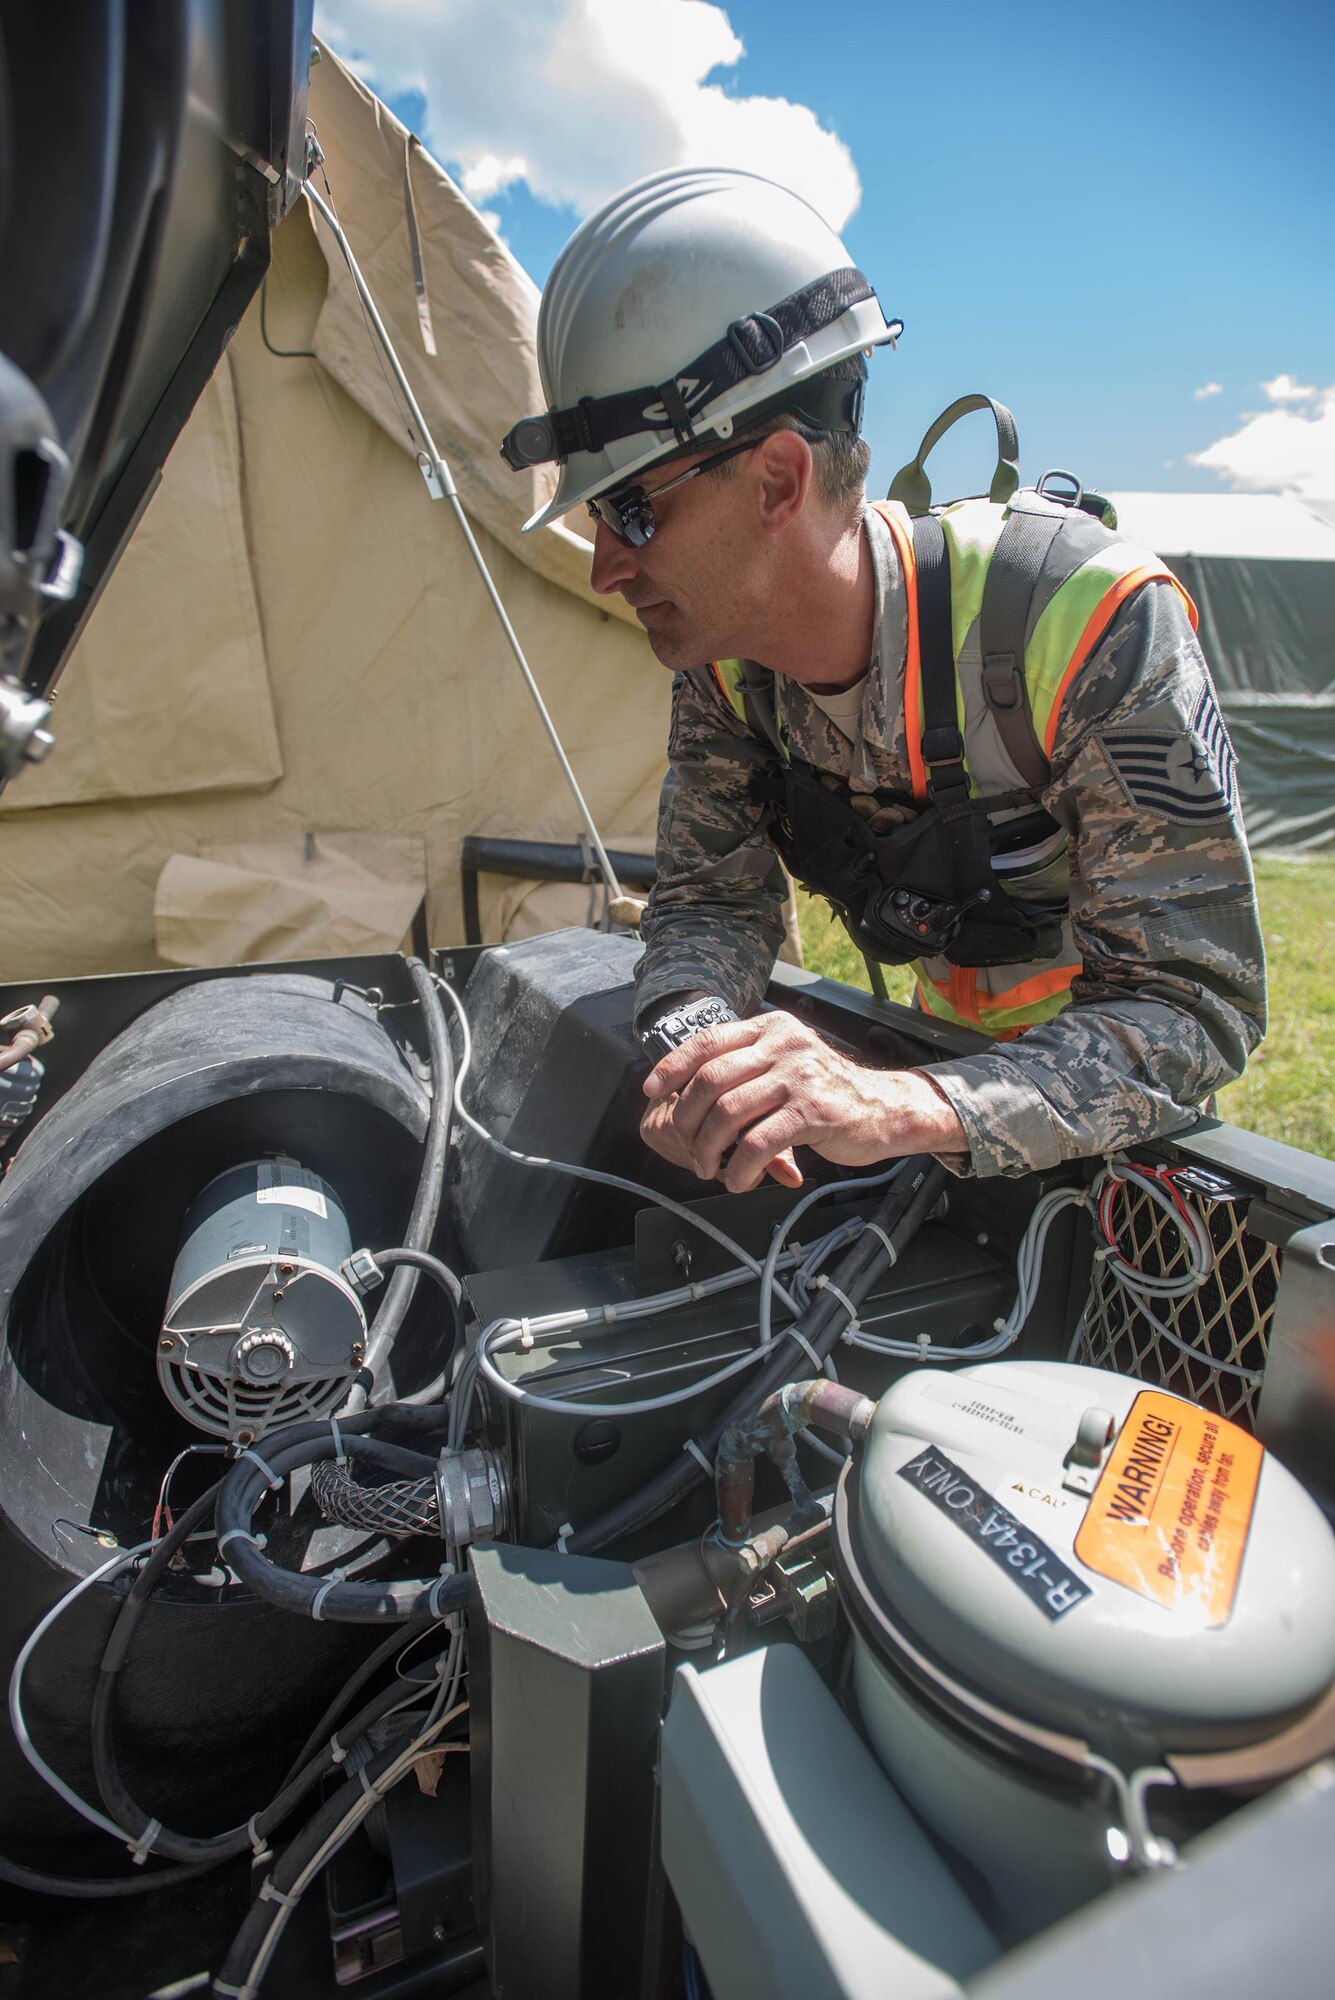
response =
{"points": [[1071, 619]]}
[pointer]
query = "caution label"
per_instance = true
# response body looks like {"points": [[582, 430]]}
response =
{"points": [[1173, 1506]]}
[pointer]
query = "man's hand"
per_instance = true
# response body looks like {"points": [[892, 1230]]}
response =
{"points": [[733, 1102]]}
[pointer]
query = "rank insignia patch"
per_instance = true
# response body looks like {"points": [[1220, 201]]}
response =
{"points": [[1185, 775]]}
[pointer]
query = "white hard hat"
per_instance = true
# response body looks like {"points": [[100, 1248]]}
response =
{"points": [[692, 298]]}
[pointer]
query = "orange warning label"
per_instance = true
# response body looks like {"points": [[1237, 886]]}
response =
{"points": [[1170, 1514]]}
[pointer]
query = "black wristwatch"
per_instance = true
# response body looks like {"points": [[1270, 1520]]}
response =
{"points": [[670, 1030]]}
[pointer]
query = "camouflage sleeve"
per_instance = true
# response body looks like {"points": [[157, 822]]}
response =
{"points": [[715, 915], [1171, 1000]]}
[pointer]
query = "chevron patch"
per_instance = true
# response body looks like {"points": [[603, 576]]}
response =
{"points": [[1184, 775]]}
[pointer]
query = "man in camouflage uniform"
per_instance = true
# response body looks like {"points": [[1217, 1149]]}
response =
{"points": [[1172, 996], [731, 515]]}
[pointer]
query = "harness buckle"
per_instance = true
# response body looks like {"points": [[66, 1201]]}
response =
{"points": [[1003, 683]]}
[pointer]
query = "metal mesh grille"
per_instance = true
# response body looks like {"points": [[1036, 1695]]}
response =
{"points": [[230, 1408], [1227, 1318]]}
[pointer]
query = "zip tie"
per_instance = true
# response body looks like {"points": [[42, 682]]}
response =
{"points": [[875, 1229], [268, 1894], [241, 1535], [827, 1284], [795, 1334], [567, 1529], [259, 1842], [340, 1451], [250, 1452], [142, 1847], [447, 1570], [365, 1783], [336, 1751], [525, 1335], [331, 1582], [693, 1448], [923, 1343]]}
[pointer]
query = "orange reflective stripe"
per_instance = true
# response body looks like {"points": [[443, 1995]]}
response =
{"points": [[1042, 986], [960, 999], [1099, 623], [964, 993], [903, 540]]}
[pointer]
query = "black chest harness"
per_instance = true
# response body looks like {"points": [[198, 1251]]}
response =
{"points": [[927, 888]]}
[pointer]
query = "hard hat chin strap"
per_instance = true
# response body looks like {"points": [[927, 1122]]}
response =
{"points": [[750, 346]]}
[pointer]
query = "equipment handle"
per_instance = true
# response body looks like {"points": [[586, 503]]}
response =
{"points": [[911, 486]]}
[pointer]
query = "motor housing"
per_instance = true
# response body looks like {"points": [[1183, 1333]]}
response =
{"points": [[261, 1327]]}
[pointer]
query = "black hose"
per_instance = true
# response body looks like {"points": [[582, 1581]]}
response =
{"points": [[210, 1850], [439, 1270], [900, 1213], [426, 1203], [92, 1888], [401, 1636], [347, 1603]]}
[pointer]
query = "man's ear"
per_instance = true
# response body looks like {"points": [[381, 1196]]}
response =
{"points": [[782, 472]]}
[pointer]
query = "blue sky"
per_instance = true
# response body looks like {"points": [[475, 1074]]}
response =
{"points": [[1091, 213]]}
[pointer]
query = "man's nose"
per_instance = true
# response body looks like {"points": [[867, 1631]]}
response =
{"points": [[615, 563]]}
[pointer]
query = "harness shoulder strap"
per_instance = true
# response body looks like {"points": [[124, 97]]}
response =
{"points": [[750, 693], [1017, 562], [942, 744]]}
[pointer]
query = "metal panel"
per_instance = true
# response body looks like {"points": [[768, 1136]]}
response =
{"points": [[799, 1869], [566, 1678], [1250, 1914]]}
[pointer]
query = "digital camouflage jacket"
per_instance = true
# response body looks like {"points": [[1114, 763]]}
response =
{"points": [[1171, 998]]}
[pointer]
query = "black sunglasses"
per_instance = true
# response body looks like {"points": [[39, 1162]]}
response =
{"points": [[629, 511]]}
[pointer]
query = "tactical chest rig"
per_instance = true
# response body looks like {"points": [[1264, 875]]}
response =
{"points": [[927, 887]]}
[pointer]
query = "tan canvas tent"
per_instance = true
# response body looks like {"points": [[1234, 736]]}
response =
{"points": [[293, 701]]}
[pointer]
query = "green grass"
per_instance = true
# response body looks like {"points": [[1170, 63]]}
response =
{"points": [[1288, 1091]]}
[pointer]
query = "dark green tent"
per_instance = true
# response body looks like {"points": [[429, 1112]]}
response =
{"points": [[1261, 569]]}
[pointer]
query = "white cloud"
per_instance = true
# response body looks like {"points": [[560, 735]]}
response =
{"points": [[1283, 389], [1209, 389], [1281, 450], [578, 97]]}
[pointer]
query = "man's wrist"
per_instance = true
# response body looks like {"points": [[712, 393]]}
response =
{"points": [[919, 1117]]}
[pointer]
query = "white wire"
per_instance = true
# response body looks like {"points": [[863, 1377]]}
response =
{"points": [[1140, 1287], [687, 1215], [418, 1747], [1028, 1271], [16, 1717], [767, 1285], [506, 1334], [580, 1406]]}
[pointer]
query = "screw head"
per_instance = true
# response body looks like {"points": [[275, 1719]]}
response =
{"points": [[166, 1345]]}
